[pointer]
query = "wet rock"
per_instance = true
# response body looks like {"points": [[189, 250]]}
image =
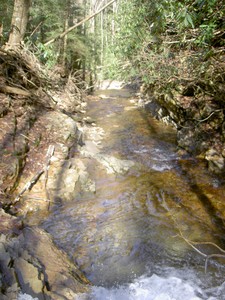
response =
{"points": [[113, 164], [28, 278], [89, 120], [31, 263], [215, 160], [92, 149]]}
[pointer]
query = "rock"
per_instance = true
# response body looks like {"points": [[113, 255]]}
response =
{"points": [[89, 120], [9, 224], [87, 185], [114, 165], [8, 279], [61, 127], [90, 147], [59, 272], [28, 278], [223, 152], [69, 180], [65, 101], [31, 261], [215, 160]]}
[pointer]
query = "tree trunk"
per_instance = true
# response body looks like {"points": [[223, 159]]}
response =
{"points": [[19, 22], [64, 41]]}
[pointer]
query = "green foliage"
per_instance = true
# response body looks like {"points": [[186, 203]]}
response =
{"points": [[143, 37], [45, 20], [156, 38], [46, 55], [46, 23], [6, 9]]}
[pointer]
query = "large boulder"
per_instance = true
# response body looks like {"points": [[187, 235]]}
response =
{"points": [[31, 263]]}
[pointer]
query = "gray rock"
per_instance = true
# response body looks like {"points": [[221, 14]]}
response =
{"points": [[62, 127], [113, 164], [29, 278]]}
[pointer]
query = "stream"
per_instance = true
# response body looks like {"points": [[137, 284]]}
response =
{"points": [[131, 237]]}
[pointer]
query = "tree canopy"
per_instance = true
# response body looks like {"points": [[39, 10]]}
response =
{"points": [[126, 38]]}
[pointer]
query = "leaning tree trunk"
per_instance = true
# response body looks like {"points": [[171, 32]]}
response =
{"points": [[19, 22], [64, 40]]}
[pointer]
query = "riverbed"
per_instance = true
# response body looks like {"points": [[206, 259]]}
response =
{"points": [[135, 236]]}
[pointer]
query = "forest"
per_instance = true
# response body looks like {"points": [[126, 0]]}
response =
{"points": [[121, 38]]}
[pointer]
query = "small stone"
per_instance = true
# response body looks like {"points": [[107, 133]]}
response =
{"points": [[89, 120]]}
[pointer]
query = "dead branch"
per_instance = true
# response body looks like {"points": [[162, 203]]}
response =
{"points": [[13, 90], [33, 181], [192, 243], [39, 199], [206, 256], [209, 243], [50, 153], [29, 185], [26, 66]]}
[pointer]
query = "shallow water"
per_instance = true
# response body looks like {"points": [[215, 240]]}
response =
{"points": [[126, 237]]}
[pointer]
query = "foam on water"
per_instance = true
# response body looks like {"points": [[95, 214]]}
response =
{"points": [[25, 297], [152, 288]]}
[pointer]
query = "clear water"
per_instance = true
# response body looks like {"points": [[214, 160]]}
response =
{"points": [[126, 236]]}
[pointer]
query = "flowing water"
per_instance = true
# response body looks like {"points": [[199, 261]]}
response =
{"points": [[132, 236]]}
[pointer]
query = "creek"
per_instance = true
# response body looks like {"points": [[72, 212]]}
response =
{"points": [[128, 237]]}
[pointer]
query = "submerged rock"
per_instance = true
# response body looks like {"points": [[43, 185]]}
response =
{"points": [[114, 165]]}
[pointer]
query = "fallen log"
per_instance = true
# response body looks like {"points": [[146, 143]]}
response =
{"points": [[13, 90]]}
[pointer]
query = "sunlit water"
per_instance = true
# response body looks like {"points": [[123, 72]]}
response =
{"points": [[126, 236]]}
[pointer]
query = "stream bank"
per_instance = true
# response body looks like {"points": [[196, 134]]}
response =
{"points": [[195, 107], [39, 118]]}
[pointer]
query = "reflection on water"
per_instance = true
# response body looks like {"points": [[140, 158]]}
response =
{"points": [[131, 225]]}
